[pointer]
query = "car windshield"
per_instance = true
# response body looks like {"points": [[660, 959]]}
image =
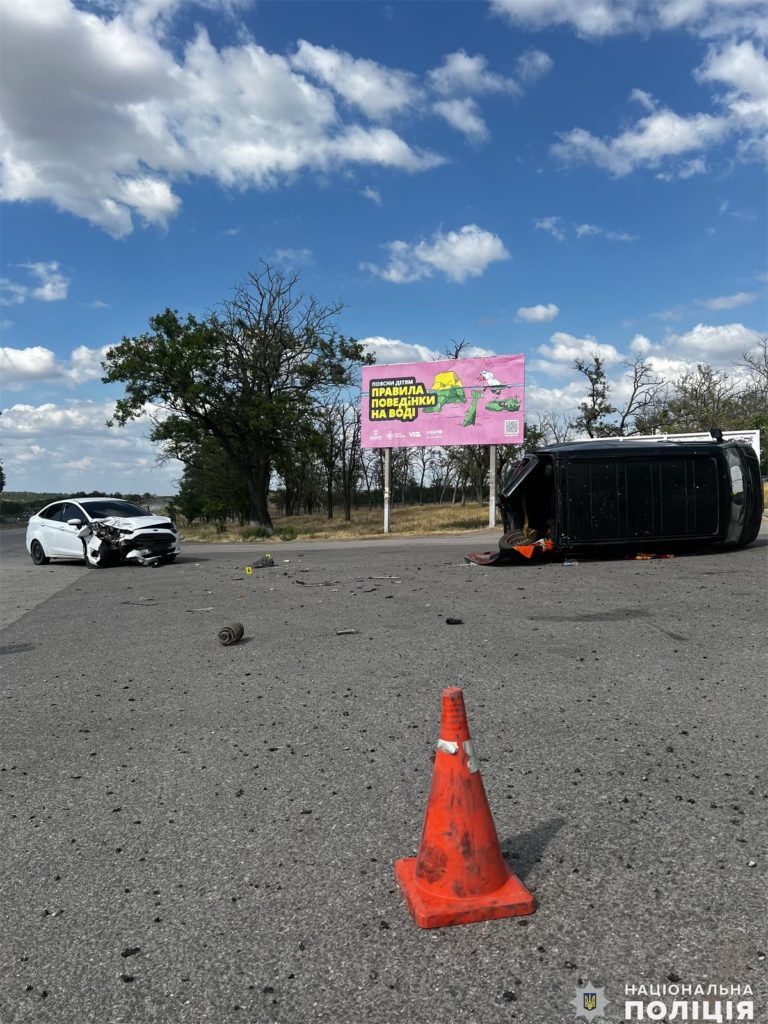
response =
{"points": [[112, 507]]}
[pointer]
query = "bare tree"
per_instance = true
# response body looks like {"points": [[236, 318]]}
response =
{"points": [[756, 364], [555, 428], [645, 386]]}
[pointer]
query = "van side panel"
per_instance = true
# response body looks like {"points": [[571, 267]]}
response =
{"points": [[624, 500], [640, 488], [592, 500]]}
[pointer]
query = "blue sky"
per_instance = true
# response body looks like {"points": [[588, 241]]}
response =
{"points": [[551, 177]]}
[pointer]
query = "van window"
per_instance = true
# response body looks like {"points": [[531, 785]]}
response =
{"points": [[738, 505]]}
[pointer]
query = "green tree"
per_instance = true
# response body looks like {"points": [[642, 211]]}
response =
{"points": [[247, 375], [594, 411]]}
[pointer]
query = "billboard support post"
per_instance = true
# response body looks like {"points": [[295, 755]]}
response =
{"points": [[387, 488], [492, 485]]}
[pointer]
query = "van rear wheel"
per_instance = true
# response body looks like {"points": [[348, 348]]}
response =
{"points": [[516, 537]]}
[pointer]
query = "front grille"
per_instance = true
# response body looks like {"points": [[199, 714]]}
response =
{"points": [[158, 545]]}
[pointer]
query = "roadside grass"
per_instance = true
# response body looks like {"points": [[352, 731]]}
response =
{"points": [[408, 520]]}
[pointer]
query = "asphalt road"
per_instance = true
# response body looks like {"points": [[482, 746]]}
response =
{"points": [[193, 833]]}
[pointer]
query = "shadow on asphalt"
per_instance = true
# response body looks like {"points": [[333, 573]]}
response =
{"points": [[526, 849]]}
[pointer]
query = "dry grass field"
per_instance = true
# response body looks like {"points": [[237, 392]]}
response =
{"points": [[406, 520]]}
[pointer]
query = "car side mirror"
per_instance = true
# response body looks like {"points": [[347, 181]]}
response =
{"points": [[74, 522]]}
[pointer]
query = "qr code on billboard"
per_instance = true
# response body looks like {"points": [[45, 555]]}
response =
{"points": [[511, 428]]}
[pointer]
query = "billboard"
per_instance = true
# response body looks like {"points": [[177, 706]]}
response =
{"points": [[448, 402]]}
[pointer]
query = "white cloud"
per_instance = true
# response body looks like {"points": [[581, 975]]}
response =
{"points": [[717, 302], [20, 367], [460, 73], [559, 230], [583, 230], [641, 345], [378, 91], [743, 69], [741, 66], [538, 314], [533, 65], [293, 257], [730, 301], [589, 17], [684, 169], [69, 447], [552, 225], [660, 135], [101, 114], [710, 344], [646, 101], [746, 215], [565, 349], [52, 285], [461, 77], [600, 18], [75, 417], [392, 350], [464, 116], [373, 194], [458, 254], [670, 358], [561, 400], [675, 144]]}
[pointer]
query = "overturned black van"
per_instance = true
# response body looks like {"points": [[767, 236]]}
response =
{"points": [[641, 495]]}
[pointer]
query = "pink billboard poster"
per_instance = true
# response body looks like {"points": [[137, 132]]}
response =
{"points": [[448, 402]]}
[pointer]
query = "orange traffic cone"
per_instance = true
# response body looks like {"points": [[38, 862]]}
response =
{"points": [[459, 875]]}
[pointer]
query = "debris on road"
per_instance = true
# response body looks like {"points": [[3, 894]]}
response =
{"points": [[264, 562], [454, 622], [231, 634], [346, 632]]}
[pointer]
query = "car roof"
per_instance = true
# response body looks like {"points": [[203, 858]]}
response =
{"points": [[104, 497], [615, 447]]}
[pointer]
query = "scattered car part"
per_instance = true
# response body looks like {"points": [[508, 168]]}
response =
{"points": [[265, 561], [231, 634]]}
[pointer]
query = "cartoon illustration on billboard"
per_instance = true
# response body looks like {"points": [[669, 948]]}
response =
{"points": [[447, 387], [398, 396]]}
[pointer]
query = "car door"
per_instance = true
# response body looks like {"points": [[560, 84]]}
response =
{"points": [[51, 530], [72, 545]]}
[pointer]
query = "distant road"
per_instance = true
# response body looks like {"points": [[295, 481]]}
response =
{"points": [[26, 585]]}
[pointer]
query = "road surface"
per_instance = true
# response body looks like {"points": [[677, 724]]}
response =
{"points": [[202, 834]]}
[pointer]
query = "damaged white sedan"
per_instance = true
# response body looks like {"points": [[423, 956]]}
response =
{"points": [[101, 531]]}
